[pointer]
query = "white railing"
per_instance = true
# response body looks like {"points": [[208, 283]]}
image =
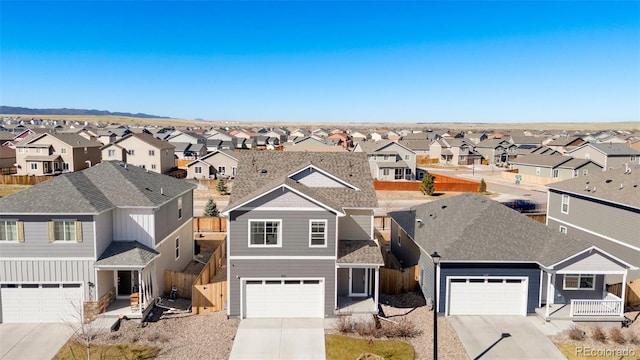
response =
{"points": [[611, 305]]}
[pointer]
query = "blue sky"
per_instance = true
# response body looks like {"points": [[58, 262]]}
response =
{"points": [[498, 62]]}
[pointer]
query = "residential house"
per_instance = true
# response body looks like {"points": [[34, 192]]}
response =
{"points": [[378, 134], [108, 232], [519, 140], [544, 169], [189, 138], [420, 147], [142, 150], [496, 261], [218, 163], [218, 134], [300, 239], [189, 151], [496, 151], [602, 208], [7, 159], [454, 151], [608, 156], [389, 161], [48, 153], [360, 135], [215, 145], [565, 144], [312, 143]]}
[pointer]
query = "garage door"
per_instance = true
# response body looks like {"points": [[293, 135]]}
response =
{"points": [[487, 296], [22, 303], [283, 298]]}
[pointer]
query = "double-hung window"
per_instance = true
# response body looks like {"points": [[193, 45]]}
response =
{"points": [[65, 231], [318, 233], [111, 153], [264, 233], [8, 230], [565, 204], [579, 282]]}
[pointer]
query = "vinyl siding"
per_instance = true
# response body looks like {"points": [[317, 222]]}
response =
{"points": [[36, 239], [167, 250], [343, 282], [47, 271], [405, 250], [564, 296], [104, 231], [356, 225], [295, 233], [263, 268], [531, 271], [167, 216]]}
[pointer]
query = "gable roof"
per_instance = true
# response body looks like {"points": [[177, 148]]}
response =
{"points": [[576, 163], [493, 143], [563, 141], [149, 139], [96, 189], [261, 172], [469, 227], [73, 140], [551, 161], [227, 153], [609, 149], [605, 185]]}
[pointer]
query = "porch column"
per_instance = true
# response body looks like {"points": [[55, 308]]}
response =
{"points": [[141, 292], [551, 279], [623, 293], [376, 286]]}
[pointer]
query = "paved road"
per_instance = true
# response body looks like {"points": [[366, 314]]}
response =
{"points": [[32, 341], [272, 339], [503, 337]]}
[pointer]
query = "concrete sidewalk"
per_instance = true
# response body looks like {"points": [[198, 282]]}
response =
{"points": [[279, 339], [32, 341]]}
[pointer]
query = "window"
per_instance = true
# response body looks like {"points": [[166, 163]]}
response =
{"points": [[563, 229], [63, 150], [65, 166], [537, 171], [575, 173], [407, 157], [153, 166], [86, 150], [38, 151], [8, 230], [198, 169], [585, 172], [34, 166], [318, 233], [221, 169], [65, 230], [632, 158], [112, 153], [179, 208], [177, 248], [132, 153], [556, 173], [587, 156], [234, 171], [385, 172], [385, 157], [579, 282], [264, 233], [152, 152], [22, 150], [565, 204]]}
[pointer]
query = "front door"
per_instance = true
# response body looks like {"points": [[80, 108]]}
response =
{"points": [[124, 283], [358, 280], [45, 166]]}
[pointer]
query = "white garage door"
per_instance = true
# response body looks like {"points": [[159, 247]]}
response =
{"points": [[22, 303], [283, 298], [487, 296]]}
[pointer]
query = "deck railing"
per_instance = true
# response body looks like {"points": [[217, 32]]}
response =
{"points": [[611, 305]]}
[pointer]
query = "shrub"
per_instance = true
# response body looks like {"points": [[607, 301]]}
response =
{"points": [[597, 334], [483, 186], [616, 336], [576, 333], [427, 186], [406, 328], [368, 329], [344, 325]]}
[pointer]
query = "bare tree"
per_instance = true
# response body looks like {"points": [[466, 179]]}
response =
{"points": [[84, 332]]}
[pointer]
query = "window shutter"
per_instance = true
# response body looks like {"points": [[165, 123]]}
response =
{"points": [[20, 231], [51, 237], [78, 231]]}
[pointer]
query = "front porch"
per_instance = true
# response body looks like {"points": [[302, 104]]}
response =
{"points": [[610, 308], [358, 277], [356, 305]]}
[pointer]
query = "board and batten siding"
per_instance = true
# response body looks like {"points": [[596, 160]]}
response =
{"points": [[530, 271], [36, 239], [357, 225], [104, 231], [622, 224], [167, 216], [281, 269], [134, 225], [295, 233], [47, 271]]}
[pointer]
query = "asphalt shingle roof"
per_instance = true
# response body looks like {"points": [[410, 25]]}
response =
{"points": [[127, 253], [605, 185], [611, 149], [551, 161], [96, 189], [259, 172], [469, 227], [359, 252]]}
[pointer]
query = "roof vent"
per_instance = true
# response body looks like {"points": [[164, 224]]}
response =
{"points": [[621, 187], [594, 189], [608, 181], [161, 191], [263, 171]]}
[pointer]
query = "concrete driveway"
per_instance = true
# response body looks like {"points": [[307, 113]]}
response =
{"points": [[279, 339], [503, 337], [32, 341]]}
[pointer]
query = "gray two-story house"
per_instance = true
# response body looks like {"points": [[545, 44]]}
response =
{"points": [[388, 160], [106, 233], [300, 235], [602, 208]]}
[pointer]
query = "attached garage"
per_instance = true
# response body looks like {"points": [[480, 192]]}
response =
{"points": [[489, 295], [283, 298], [34, 303]]}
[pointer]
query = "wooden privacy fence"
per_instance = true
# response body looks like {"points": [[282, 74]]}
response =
{"points": [[181, 281], [632, 295], [425, 160], [441, 183], [382, 222], [398, 281], [23, 179], [209, 224]]}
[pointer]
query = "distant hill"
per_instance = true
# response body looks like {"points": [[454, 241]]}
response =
{"points": [[64, 111]]}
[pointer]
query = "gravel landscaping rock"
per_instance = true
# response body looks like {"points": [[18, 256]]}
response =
{"points": [[184, 336]]}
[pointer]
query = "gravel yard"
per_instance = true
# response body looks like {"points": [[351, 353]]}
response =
{"points": [[205, 336], [630, 336]]}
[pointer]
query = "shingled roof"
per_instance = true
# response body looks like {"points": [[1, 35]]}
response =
{"points": [[259, 172], [469, 227], [612, 186], [96, 189]]}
